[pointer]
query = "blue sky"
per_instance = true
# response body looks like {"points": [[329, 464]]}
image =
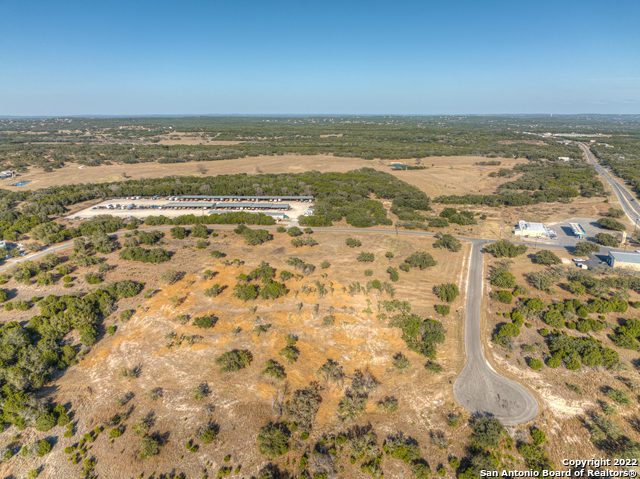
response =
{"points": [[301, 57]]}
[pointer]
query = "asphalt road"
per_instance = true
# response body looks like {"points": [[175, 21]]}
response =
{"points": [[626, 199], [479, 389]]}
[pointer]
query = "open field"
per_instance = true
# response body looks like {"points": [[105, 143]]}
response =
{"points": [[245, 401], [444, 175]]}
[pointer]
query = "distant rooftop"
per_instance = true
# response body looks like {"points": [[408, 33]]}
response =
{"points": [[266, 213], [243, 197], [625, 257], [247, 204], [199, 204]]}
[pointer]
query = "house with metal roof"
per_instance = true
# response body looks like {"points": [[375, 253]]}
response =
{"points": [[619, 259]]}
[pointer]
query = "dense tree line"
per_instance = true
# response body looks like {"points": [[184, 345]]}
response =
{"points": [[338, 195], [81, 140], [30, 354]]}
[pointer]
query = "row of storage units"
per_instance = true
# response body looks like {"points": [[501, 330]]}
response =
{"points": [[229, 206], [268, 199]]}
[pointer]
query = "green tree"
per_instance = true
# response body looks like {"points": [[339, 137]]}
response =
{"points": [[447, 292], [546, 257], [535, 364], [256, 237], [401, 363], [449, 242], [487, 431], [46, 421], [178, 232], [272, 441], [610, 224], [586, 248], [44, 448], [505, 249], [615, 212], [605, 239], [149, 447], [365, 257], [200, 231], [233, 361], [245, 292], [503, 296], [538, 436], [421, 260]]}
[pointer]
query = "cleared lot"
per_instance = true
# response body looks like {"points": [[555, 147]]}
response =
{"points": [[145, 207], [590, 225]]}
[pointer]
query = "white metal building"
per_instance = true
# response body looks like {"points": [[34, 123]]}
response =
{"points": [[527, 229]]}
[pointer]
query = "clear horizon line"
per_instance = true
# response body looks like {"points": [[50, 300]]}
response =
{"points": [[284, 115]]}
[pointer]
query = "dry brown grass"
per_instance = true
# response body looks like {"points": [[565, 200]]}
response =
{"points": [[438, 179], [245, 401]]}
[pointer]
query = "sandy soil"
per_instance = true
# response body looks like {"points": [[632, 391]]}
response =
{"points": [[245, 401]]}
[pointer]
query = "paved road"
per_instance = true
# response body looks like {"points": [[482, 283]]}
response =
{"points": [[479, 389], [626, 199]]}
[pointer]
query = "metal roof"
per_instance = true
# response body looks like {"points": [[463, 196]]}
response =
{"points": [[266, 213], [577, 229], [199, 204], [238, 197], [525, 225], [272, 206], [625, 257]]}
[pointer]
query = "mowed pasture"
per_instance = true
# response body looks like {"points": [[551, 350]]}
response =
{"points": [[445, 175]]}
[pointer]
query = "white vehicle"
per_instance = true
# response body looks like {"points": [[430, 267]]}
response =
{"points": [[578, 260]]}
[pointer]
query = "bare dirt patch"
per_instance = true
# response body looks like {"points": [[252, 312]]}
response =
{"points": [[245, 401]]}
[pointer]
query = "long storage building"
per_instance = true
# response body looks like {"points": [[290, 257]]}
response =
{"points": [[619, 259]]}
